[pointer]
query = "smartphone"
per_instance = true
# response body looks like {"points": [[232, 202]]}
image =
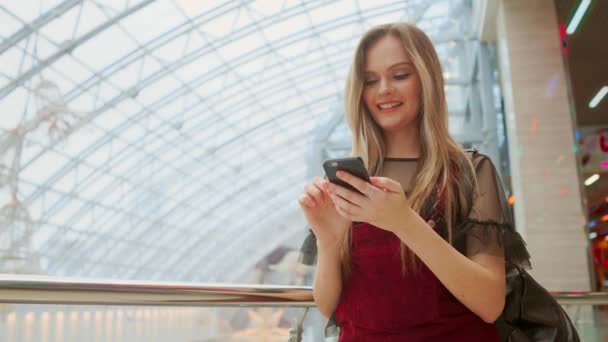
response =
{"points": [[352, 165]]}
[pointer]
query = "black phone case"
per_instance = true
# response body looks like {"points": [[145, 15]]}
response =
{"points": [[352, 165]]}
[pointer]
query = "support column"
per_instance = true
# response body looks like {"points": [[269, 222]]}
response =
{"points": [[548, 207]]}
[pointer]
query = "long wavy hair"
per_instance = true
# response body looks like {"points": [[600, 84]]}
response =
{"points": [[445, 174]]}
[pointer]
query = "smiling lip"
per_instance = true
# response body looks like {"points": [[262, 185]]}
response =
{"points": [[391, 109]]}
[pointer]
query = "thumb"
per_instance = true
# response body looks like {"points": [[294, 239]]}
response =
{"points": [[386, 184]]}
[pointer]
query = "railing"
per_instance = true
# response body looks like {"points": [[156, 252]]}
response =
{"points": [[581, 298], [30, 289], [20, 289], [55, 290]]}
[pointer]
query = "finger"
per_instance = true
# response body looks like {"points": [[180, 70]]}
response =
{"points": [[326, 186], [320, 184], [302, 202], [344, 204], [314, 193], [306, 201], [347, 195], [358, 183], [339, 205], [347, 214], [343, 213], [387, 184]]}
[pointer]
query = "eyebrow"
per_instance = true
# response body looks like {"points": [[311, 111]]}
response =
{"points": [[394, 65]]}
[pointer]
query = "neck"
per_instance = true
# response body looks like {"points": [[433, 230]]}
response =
{"points": [[403, 143]]}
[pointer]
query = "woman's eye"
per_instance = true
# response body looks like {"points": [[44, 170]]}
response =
{"points": [[370, 82], [401, 76]]}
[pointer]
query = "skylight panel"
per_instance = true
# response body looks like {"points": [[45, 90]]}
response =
{"points": [[238, 47], [330, 10], [195, 8], [286, 27], [105, 48], [43, 167], [9, 26], [127, 76], [24, 10], [63, 28], [12, 108], [76, 71], [219, 27], [152, 20], [91, 17], [386, 17]]}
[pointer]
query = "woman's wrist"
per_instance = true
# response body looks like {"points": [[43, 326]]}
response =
{"points": [[406, 222], [332, 246]]}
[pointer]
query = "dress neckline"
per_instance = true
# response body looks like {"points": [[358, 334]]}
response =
{"points": [[400, 159]]}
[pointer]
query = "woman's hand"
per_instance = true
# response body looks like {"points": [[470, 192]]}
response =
{"points": [[329, 227], [383, 203]]}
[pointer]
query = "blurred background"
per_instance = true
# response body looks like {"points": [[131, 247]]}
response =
{"points": [[169, 140]]}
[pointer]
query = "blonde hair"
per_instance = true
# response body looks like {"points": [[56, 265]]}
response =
{"points": [[442, 160]]}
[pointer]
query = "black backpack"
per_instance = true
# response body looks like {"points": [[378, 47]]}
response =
{"points": [[531, 313]]}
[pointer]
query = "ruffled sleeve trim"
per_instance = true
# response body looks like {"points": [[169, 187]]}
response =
{"points": [[488, 231]]}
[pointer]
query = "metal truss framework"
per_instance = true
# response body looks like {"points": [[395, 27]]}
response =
{"points": [[200, 167]]}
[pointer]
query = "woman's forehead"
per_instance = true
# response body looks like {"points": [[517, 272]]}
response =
{"points": [[386, 53]]}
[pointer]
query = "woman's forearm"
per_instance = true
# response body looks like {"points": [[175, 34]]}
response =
{"points": [[327, 285], [479, 288]]}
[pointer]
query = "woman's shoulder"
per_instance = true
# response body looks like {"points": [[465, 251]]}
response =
{"points": [[473, 153], [477, 158]]}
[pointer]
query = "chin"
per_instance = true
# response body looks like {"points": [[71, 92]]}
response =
{"points": [[391, 125], [395, 121], [391, 128]]}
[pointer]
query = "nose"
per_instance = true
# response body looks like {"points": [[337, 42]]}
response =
{"points": [[385, 88]]}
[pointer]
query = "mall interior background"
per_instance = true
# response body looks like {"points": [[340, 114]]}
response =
{"points": [[168, 141]]}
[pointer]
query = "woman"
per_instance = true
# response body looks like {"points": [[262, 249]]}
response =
{"points": [[420, 256]]}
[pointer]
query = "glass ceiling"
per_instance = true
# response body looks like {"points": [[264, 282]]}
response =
{"points": [[169, 140]]}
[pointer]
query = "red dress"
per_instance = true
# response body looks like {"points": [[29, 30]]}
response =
{"points": [[380, 303]]}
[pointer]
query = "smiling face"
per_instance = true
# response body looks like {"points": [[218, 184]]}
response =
{"points": [[391, 86]]}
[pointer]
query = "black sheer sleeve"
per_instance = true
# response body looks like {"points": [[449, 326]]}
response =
{"points": [[490, 220], [308, 250]]}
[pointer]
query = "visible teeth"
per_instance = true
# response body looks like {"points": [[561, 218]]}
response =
{"points": [[389, 105]]}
